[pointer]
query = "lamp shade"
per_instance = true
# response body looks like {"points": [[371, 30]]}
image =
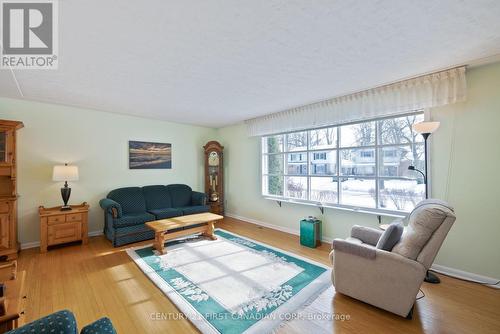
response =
{"points": [[426, 127], [65, 173]]}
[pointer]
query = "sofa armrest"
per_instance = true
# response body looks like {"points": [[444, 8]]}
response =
{"points": [[101, 326], [112, 207], [59, 322], [368, 235], [341, 245], [198, 198]]}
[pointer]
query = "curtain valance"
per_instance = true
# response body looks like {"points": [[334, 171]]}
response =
{"points": [[426, 91]]}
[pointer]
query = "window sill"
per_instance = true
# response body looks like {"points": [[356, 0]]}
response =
{"points": [[377, 212]]}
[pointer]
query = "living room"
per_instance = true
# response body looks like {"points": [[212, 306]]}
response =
{"points": [[262, 167]]}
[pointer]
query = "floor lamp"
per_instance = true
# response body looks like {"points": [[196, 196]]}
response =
{"points": [[425, 129]]}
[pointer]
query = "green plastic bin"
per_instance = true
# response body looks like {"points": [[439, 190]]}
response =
{"points": [[310, 232]]}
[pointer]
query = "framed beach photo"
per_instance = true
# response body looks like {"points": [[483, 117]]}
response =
{"points": [[147, 155]]}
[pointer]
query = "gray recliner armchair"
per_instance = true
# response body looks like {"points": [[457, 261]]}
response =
{"points": [[391, 280]]}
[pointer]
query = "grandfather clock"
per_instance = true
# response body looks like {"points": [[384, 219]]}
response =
{"points": [[214, 176]]}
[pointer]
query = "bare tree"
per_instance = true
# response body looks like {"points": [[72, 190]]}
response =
{"points": [[295, 189], [399, 131], [323, 137], [297, 139], [330, 134], [365, 133]]}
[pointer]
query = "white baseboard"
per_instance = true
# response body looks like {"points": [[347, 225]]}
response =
{"points": [[34, 244], [457, 273], [293, 231], [95, 233], [452, 272], [27, 245]]}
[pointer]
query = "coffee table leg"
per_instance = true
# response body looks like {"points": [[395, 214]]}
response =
{"points": [[159, 243], [210, 231]]}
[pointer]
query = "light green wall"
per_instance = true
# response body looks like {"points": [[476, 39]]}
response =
{"points": [[471, 128], [97, 142]]}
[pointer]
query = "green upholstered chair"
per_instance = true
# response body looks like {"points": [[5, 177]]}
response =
{"points": [[64, 322], [126, 210]]}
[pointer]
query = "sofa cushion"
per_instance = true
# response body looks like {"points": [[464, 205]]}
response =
{"points": [[132, 219], [423, 221], [198, 198], [191, 210], [391, 236], [166, 213], [131, 199], [180, 194], [157, 197]]}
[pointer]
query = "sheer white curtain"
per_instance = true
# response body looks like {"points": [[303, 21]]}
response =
{"points": [[427, 91]]}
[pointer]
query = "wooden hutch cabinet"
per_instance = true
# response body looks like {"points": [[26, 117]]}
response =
{"points": [[8, 190], [214, 176]]}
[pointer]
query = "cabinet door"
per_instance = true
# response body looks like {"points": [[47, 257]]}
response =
{"points": [[65, 232], [4, 230]]}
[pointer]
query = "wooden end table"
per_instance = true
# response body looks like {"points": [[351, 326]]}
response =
{"points": [[58, 227], [163, 228]]}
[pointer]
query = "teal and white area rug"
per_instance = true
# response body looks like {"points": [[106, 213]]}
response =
{"points": [[233, 284]]}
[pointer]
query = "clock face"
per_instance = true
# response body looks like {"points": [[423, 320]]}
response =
{"points": [[213, 159]]}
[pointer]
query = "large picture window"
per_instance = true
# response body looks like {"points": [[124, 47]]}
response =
{"points": [[359, 166]]}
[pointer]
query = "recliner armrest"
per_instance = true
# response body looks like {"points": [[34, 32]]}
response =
{"points": [[198, 198], [340, 245], [368, 235], [112, 207]]}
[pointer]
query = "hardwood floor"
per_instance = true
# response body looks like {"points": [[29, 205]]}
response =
{"points": [[98, 280]]}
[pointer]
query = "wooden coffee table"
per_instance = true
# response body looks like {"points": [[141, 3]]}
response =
{"points": [[163, 227]]}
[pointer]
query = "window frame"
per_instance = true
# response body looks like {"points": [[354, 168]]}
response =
{"points": [[377, 146]]}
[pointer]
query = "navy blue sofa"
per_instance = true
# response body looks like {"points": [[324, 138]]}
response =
{"points": [[126, 210]]}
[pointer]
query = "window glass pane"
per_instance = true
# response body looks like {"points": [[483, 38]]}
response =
{"points": [[358, 192], [396, 159], [272, 144], [297, 163], [273, 185], [297, 141], [361, 134], [401, 195], [323, 162], [399, 130], [293, 162], [272, 164], [324, 189], [358, 162], [296, 187], [323, 138]]}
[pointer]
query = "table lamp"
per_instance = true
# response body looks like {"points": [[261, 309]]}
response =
{"points": [[65, 173]]}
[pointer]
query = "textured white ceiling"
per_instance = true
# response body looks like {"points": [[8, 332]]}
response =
{"points": [[219, 62]]}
